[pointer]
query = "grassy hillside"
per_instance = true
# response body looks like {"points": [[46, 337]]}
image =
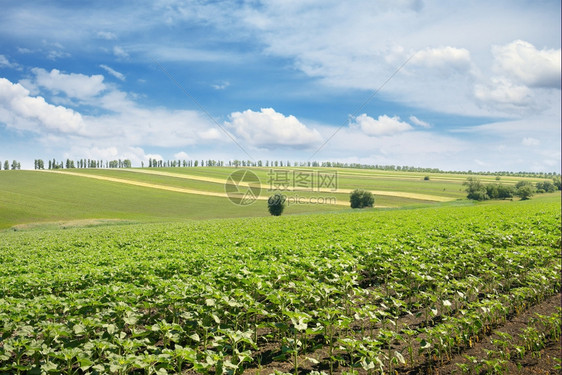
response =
{"points": [[32, 197], [172, 194]]}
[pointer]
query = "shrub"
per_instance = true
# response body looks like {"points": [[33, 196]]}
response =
{"points": [[475, 189], [361, 198], [276, 204], [546, 187], [556, 182], [426, 178], [524, 190], [505, 191]]}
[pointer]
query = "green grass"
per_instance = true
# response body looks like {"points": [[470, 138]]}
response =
{"points": [[35, 197], [30, 197]]}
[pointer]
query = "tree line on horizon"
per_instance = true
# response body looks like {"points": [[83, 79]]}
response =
{"points": [[81, 163], [159, 163], [7, 166]]}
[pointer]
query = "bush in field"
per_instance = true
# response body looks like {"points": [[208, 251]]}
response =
{"points": [[545, 187], [499, 191], [505, 191], [556, 182], [475, 189], [524, 190], [276, 204], [361, 198]]}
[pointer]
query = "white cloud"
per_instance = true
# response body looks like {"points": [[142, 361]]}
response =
{"points": [[5, 63], [210, 134], [74, 85], [116, 74], [443, 58], [503, 93], [521, 61], [418, 122], [382, 126], [270, 129], [21, 111], [120, 52], [182, 155], [530, 141], [220, 86]]}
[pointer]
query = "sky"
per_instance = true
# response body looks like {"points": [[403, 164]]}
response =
{"points": [[455, 85]]}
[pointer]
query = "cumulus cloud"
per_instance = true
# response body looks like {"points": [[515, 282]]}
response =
{"points": [[443, 58], [268, 128], [524, 63], [382, 126], [74, 85], [113, 72], [24, 112], [182, 155], [418, 122], [503, 92]]}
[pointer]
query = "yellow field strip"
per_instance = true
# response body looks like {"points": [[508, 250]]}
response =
{"points": [[423, 197], [169, 188]]}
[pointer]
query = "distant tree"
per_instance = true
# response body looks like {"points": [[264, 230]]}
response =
{"points": [[276, 204], [545, 187], [14, 164], [6, 165], [475, 189], [524, 190], [505, 191], [556, 182], [492, 191], [361, 198]]}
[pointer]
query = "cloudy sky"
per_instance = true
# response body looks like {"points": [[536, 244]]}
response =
{"points": [[455, 85]]}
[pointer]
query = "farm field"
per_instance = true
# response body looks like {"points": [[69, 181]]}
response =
{"points": [[30, 198], [437, 289], [78, 196]]}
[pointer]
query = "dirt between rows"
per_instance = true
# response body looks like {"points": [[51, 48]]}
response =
{"points": [[543, 364]]}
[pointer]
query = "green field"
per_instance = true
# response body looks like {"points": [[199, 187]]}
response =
{"points": [[368, 291], [154, 272], [31, 197]]}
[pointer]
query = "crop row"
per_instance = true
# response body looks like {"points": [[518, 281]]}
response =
{"points": [[367, 291]]}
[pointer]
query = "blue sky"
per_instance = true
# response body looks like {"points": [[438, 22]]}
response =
{"points": [[459, 85]]}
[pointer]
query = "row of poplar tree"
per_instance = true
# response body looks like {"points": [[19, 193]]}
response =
{"points": [[81, 163], [15, 165]]}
